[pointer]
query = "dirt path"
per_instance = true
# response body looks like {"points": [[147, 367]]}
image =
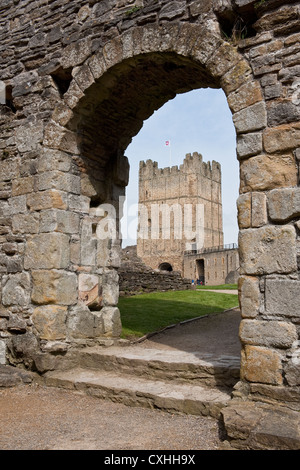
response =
{"points": [[216, 334], [37, 418]]}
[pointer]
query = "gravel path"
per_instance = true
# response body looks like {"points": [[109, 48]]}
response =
{"points": [[38, 418]]}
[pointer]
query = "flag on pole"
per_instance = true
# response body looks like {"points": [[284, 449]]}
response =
{"points": [[168, 144]]}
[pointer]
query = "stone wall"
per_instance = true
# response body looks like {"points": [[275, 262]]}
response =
{"points": [[183, 209], [136, 277], [81, 77], [213, 266]]}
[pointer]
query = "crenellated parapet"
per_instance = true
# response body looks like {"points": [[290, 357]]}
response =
{"points": [[192, 164]]}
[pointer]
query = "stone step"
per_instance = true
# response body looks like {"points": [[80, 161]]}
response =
{"points": [[139, 391], [165, 364]]}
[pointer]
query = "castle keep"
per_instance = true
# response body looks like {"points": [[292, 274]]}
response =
{"points": [[181, 209]]}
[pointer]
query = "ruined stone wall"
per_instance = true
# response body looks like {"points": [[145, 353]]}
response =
{"points": [[195, 185], [136, 277], [81, 77]]}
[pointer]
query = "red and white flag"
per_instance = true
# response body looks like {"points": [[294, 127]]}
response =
{"points": [[168, 143]]}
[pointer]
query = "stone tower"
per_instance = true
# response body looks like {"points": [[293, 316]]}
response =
{"points": [[180, 209]]}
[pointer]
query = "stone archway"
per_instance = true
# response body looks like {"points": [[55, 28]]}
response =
{"points": [[59, 283], [110, 96]]}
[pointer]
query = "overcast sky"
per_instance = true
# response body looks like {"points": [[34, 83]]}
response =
{"points": [[198, 121]]}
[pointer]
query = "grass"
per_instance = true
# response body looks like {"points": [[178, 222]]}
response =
{"points": [[146, 313], [221, 287]]}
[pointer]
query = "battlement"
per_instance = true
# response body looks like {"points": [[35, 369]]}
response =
{"points": [[193, 163]]}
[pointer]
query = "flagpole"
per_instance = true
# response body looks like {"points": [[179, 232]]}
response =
{"points": [[168, 144]]}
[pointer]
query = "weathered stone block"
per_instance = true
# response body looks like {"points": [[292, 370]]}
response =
{"points": [[251, 119], [57, 287], [249, 145], [266, 250], [284, 204], [46, 251], [75, 249], [265, 172], [22, 185], [205, 46], [97, 64], [113, 52], [252, 425], [102, 254], [244, 206], [25, 223], [171, 11], [247, 95], [249, 296], [49, 321], [58, 180], [262, 365], [272, 19], [79, 203], [110, 288], [292, 374], [88, 245], [273, 91], [50, 159], [111, 322], [76, 53], [282, 298], [50, 199], [16, 324], [84, 77], [282, 112], [24, 346], [29, 136], [17, 205], [236, 76], [81, 322], [224, 58], [281, 138], [9, 169], [16, 289], [2, 352], [62, 114], [259, 209], [89, 290], [252, 210], [73, 95], [277, 334], [59, 221]]}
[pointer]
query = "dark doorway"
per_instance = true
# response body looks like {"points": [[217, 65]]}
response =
{"points": [[165, 267], [200, 270]]}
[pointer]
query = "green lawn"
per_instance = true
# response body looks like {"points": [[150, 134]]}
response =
{"points": [[146, 313], [221, 287]]}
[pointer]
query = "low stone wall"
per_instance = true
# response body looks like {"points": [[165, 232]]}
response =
{"points": [[135, 281], [135, 276]]}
